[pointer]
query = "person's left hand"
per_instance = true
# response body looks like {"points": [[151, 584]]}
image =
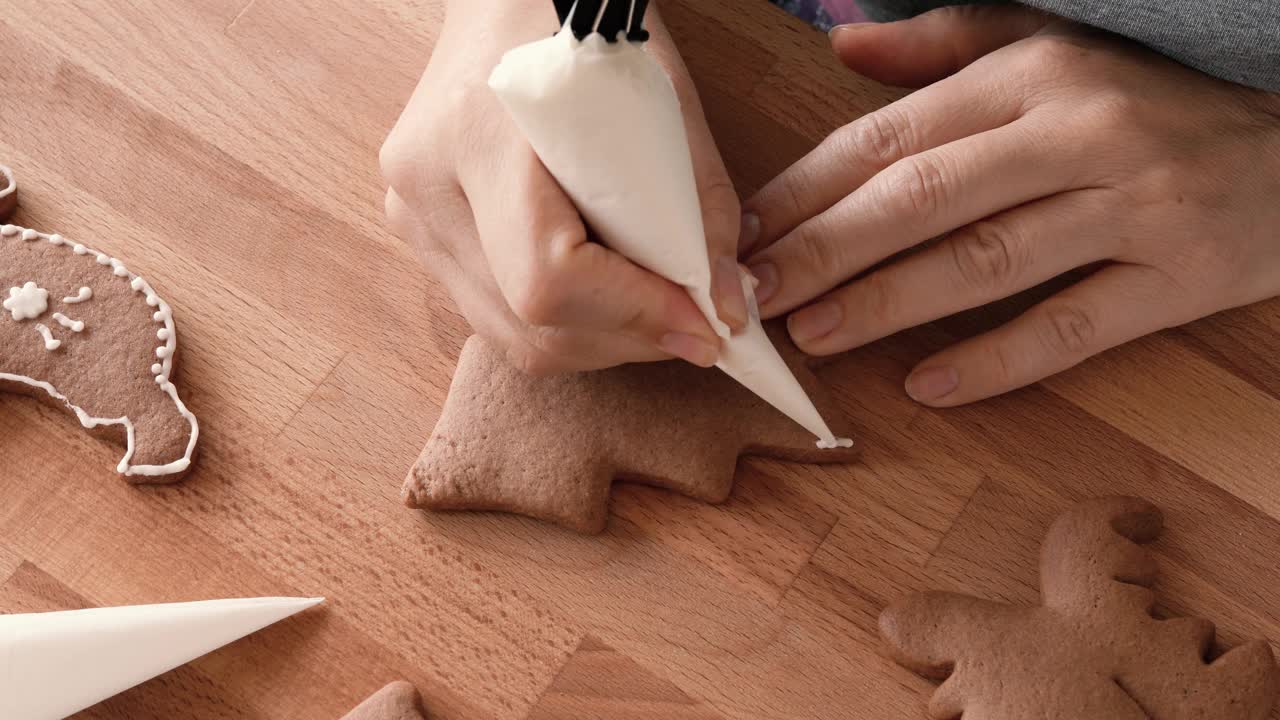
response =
{"points": [[1041, 147]]}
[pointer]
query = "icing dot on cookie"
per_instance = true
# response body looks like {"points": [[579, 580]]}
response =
{"points": [[30, 234], [81, 296], [163, 333], [66, 322], [8, 230], [152, 299], [157, 369], [79, 249], [162, 352], [104, 259], [159, 316], [50, 343], [137, 284], [56, 239], [119, 269]]}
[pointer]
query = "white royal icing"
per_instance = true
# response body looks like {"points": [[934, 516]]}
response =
{"points": [[50, 343], [84, 294], [27, 302], [580, 102], [66, 322], [161, 370]]}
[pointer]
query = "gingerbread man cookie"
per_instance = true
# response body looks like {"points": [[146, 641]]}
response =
{"points": [[550, 447], [80, 330], [397, 701], [1092, 651]]}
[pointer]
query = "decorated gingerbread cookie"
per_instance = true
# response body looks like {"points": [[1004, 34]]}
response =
{"points": [[80, 330], [1092, 650], [397, 701], [551, 447]]}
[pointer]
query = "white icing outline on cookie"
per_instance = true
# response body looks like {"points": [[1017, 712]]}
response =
{"points": [[163, 314]]}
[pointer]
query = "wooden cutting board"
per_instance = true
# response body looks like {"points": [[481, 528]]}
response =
{"points": [[227, 150]]}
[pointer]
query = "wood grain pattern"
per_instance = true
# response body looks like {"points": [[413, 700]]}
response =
{"points": [[227, 150]]}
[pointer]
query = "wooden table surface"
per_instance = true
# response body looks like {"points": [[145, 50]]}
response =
{"points": [[227, 151]]}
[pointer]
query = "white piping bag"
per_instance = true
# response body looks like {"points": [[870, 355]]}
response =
{"points": [[58, 663], [604, 118]]}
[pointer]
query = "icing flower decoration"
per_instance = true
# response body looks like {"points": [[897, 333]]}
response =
{"points": [[27, 302]]}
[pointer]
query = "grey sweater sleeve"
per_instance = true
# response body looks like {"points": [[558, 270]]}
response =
{"points": [[1237, 40]]}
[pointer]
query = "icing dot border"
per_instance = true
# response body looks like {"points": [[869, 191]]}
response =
{"points": [[165, 353]]}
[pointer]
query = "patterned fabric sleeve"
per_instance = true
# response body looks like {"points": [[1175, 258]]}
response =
{"points": [[1236, 40]]}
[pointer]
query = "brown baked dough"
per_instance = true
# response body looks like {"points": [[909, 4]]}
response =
{"points": [[80, 331], [397, 701], [1092, 651], [550, 447]]}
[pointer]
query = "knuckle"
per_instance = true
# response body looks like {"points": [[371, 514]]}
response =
{"points": [[1163, 183], [537, 301], [720, 204], [1068, 330], [987, 255], [551, 342], [399, 217], [918, 187], [531, 361], [1052, 55], [397, 169], [878, 300], [788, 192], [883, 136], [819, 249], [1004, 365], [541, 295], [1114, 108]]}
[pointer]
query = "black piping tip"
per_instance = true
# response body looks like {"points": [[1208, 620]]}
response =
{"points": [[618, 17]]}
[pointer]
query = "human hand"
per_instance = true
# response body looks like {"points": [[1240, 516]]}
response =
{"points": [[489, 221], [1041, 147]]}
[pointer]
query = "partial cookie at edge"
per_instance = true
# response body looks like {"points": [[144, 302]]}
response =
{"points": [[397, 701]]}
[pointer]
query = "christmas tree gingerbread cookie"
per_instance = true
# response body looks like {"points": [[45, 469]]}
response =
{"points": [[551, 447]]}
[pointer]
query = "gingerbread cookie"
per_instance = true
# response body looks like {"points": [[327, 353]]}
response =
{"points": [[1092, 650], [550, 447], [81, 331], [8, 193], [397, 701]]}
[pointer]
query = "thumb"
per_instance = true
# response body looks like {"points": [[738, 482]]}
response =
{"points": [[924, 49]]}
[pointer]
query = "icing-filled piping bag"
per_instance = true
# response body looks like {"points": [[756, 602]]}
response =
{"points": [[603, 116], [57, 663]]}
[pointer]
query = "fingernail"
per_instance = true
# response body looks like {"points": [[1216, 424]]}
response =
{"points": [[730, 301], [749, 235], [689, 347], [927, 385], [816, 321], [846, 26], [767, 287]]}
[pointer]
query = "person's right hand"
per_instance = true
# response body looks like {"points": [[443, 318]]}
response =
{"points": [[468, 192]]}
